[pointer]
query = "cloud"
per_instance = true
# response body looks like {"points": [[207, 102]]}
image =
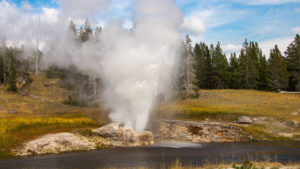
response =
{"points": [[20, 27], [282, 44], [193, 25], [49, 15], [266, 2], [296, 30], [79, 8], [127, 24], [266, 46], [25, 5], [231, 48]]}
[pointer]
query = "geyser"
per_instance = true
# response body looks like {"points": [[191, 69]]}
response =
{"points": [[135, 66]]}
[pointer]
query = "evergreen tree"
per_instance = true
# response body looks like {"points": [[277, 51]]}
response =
{"points": [[3, 60], [234, 72], [208, 67], [72, 28], [220, 68], [2, 69], [86, 32], [293, 63], [248, 73], [12, 71], [81, 34], [190, 77], [254, 52], [199, 64], [277, 69], [263, 73]]}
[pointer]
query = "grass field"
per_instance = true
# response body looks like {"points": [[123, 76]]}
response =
{"points": [[41, 112], [229, 104]]}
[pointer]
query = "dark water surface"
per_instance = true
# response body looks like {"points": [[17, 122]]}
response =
{"points": [[164, 153]]}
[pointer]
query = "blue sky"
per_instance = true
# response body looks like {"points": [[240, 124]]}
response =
{"points": [[268, 22]]}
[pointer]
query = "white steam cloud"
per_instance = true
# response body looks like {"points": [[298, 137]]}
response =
{"points": [[135, 66]]}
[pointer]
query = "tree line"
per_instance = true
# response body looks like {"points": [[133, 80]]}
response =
{"points": [[207, 67]]}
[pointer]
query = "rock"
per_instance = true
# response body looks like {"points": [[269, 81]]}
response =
{"points": [[295, 113], [56, 143], [120, 136], [244, 120], [12, 111]]}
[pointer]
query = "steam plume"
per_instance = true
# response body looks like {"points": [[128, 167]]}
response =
{"points": [[135, 66]]}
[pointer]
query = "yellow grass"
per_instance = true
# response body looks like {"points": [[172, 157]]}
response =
{"points": [[15, 131], [231, 103], [41, 112], [41, 100]]}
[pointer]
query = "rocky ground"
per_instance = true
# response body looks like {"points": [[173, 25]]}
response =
{"points": [[199, 132], [110, 135], [56, 143], [115, 134]]}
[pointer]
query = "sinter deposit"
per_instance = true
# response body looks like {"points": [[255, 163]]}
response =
{"points": [[199, 132], [109, 135], [120, 136], [56, 143]]}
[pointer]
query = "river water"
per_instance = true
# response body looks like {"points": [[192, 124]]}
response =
{"points": [[162, 154]]}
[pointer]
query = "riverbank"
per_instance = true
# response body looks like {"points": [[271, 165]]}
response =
{"points": [[168, 131]]}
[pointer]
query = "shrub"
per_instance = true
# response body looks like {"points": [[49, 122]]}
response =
{"points": [[246, 164], [74, 101]]}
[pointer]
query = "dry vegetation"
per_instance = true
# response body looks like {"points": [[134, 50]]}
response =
{"points": [[40, 112], [40, 100], [228, 104]]}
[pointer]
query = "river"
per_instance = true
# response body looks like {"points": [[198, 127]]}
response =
{"points": [[161, 153]]}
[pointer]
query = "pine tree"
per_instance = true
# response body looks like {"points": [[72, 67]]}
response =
{"points": [[198, 53], [3, 60], [12, 71], [190, 77], [248, 73], [277, 70], [234, 72], [206, 80], [86, 32], [72, 28], [220, 68], [263, 73], [293, 63], [203, 65], [2, 69]]}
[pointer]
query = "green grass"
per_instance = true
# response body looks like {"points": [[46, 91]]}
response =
{"points": [[15, 131], [259, 133], [42, 112], [227, 105]]}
